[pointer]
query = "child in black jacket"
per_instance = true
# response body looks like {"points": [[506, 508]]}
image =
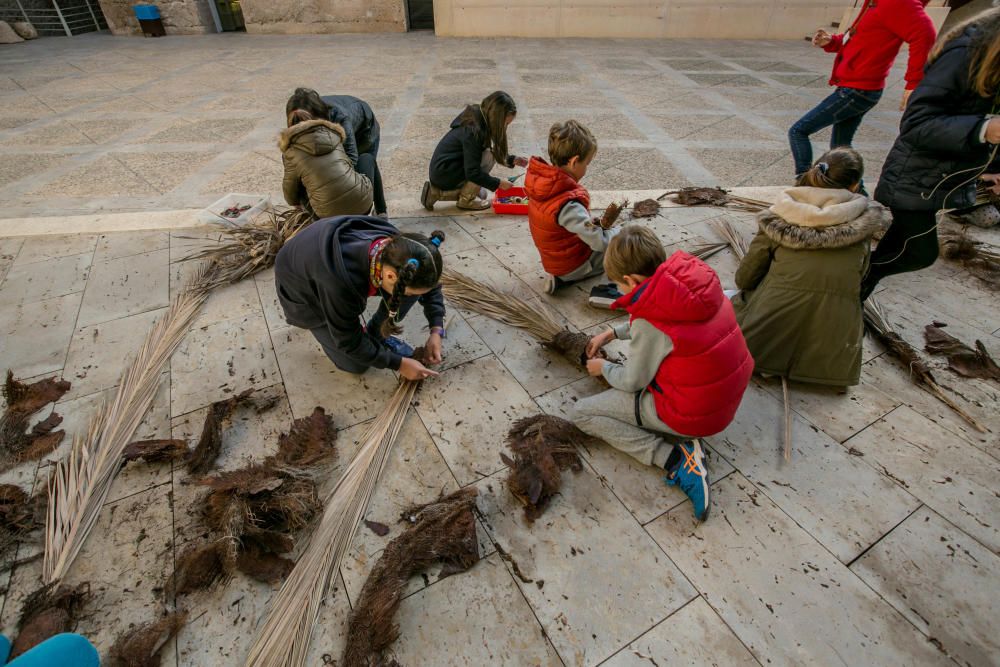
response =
{"points": [[325, 274], [461, 164]]}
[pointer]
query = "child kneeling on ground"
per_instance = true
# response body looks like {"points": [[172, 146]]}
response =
{"points": [[800, 308], [687, 366], [570, 244]]}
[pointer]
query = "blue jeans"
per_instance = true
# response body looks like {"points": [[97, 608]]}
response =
{"points": [[843, 109], [340, 358]]}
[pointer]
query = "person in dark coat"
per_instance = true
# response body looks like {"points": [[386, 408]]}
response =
{"points": [[361, 132], [865, 53], [326, 273], [948, 138], [462, 161]]}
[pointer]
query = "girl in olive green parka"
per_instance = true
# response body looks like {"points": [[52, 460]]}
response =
{"points": [[800, 305], [318, 173]]}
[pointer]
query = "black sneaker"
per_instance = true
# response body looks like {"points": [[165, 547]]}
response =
{"points": [[602, 296]]}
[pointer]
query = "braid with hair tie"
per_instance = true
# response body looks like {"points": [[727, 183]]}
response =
{"points": [[391, 327]]}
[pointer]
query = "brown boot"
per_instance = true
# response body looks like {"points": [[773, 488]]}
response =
{"points": [[469, 199]]}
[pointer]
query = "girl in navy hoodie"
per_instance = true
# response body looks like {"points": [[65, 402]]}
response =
{"points": [[325, 274]]}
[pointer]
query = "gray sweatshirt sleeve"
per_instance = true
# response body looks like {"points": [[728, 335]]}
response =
{"points": [[623, 330], [574, 217], [646, 352]]}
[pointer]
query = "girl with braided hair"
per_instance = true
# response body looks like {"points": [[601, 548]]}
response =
{"points": [[800, 310], [325, 275]]}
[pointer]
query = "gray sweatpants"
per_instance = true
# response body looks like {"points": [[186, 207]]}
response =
{"points": [[594, 266], [611, 416]]}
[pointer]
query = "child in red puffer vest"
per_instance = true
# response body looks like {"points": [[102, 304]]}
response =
{"points": [[570, 244], [687, 366]]}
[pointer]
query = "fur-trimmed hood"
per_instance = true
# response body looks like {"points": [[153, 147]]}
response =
{"points": [[311, 136], [811, 218]]}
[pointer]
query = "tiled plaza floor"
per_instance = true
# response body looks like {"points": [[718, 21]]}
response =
{"points": [[100, 123], [877, 545]]}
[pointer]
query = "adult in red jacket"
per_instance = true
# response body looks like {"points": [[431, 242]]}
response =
{"points": [[865, 53]]}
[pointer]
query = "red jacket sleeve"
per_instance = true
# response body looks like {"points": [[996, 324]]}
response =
{"points": [[908, 20], [836, 43]]}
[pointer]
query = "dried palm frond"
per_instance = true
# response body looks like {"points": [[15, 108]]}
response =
{"points": [[612, 212], [735, 239], [443, 531], [706, 250], [81, 482], [543, 446], [284, 636], [980, 260], [919, 372], [701, 196], [470, 294], [247, 249], [962, 359]]}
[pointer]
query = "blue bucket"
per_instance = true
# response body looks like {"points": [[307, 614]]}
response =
{"points": [[147, 12]]}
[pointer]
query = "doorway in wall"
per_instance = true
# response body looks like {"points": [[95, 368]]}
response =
{"points": [[227, 14], [420, 14]]}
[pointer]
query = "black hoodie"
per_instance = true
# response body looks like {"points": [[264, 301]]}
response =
{"points": [[322, 278], [459, 155], [931, 164]]}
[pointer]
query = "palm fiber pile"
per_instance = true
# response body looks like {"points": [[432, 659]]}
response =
{"points": [[612, 213], [962, 359], [975, 256], [49, 611], [542, 447], [19, 515], [443, 531], [252, 513], [17, 442], [142, 646]]}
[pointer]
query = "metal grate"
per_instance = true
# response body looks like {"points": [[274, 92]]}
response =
{"points": [[68, 17]]}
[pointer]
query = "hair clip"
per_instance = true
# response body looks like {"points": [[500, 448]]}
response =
{"points": [[436, 241], [414, 261], [822, 166]]}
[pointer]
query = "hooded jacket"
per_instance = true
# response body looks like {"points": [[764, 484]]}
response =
{"points": [[939, 137], [321, 276], [458, 156], [549, 189], [865, 58], [361, 129], [700, 384], [800, 308], [318, 171]]}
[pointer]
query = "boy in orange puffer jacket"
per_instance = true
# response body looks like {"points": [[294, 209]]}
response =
{"points": [[570, 244], [687, 366]]}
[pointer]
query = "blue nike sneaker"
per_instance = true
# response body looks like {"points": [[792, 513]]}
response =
{"points": [[399, 346], [691, 475]]}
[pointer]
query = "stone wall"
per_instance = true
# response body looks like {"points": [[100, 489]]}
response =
{"points": [[323, 16], [712, 19], [180, 17]]}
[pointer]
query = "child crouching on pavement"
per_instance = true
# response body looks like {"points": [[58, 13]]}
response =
{"points": [[687, 366], [571, 246]]}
